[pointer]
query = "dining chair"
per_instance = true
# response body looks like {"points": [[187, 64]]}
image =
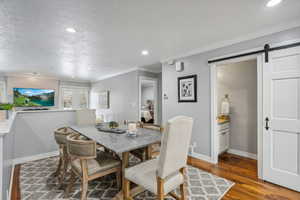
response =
{"points": [[163, 175], [86, 117], [88, 164], [60, 136], [155, 148]]}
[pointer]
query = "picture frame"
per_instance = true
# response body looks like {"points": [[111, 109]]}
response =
{"points": [[187, 89], [104, 99]]}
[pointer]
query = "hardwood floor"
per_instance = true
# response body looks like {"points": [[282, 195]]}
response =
{"points": [[243, 171], [16, 193]]}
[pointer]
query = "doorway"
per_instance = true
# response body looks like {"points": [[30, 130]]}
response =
{"points": [[236, 110], [148, 100]]}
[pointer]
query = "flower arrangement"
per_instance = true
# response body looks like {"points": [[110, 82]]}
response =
{"points": [[113, 124]]}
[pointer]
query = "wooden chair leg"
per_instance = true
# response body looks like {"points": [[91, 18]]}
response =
{"points": [[160, 188], [85, 179], [64, 170], [69, 188], [126, 189], [183, 186], [60, 175], [56, 173], [84, 188], [119, 178], [182, 191]]}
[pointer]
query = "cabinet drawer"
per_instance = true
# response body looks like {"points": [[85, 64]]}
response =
{"points": [[223, 126], [223, 141]]}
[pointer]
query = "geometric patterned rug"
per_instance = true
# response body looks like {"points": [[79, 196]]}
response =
{"points": [[38, 183]]}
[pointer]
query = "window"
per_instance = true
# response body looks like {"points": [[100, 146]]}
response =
{"points": [[74, 97], [2, 92]]}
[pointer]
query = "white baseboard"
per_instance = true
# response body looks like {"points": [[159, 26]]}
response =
{"points": [[35, 157], [201, 157], [243, 153]]}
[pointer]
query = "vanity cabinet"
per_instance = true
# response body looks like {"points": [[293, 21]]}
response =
{"points": [[224, 136]]}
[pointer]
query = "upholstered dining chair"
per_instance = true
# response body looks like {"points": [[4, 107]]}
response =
{"points": [[155, 148], [60, 136], [88, 164], [86, 117], [163, 175]]}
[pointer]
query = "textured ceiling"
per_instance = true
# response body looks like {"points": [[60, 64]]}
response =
{"points": [[112, 33]]}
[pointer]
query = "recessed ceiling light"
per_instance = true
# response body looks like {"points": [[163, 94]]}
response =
{"points": [[145, 52], [71, 30], [273, 3]]}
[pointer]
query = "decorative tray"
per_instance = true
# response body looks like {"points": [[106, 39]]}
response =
{"points": [[112, 130]]}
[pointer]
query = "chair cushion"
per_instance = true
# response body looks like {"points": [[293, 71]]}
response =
{"points": [[103, 162], [145, 175]]}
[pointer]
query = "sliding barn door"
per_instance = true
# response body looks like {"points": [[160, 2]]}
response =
{"points": [[281, 137]]}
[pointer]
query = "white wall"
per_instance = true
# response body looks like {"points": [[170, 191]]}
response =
{"points": [[239, 81]]}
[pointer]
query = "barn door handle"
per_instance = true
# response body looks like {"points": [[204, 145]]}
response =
{"points": [[267, 123]]}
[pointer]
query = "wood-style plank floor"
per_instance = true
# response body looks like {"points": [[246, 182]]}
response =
{"points": [[243, 171]]}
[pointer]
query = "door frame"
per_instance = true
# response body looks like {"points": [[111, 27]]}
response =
{"points": [[214, 109], [155, 81]]}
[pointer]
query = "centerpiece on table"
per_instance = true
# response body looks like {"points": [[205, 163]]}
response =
{"points": [[113, 124], [5, 109]]}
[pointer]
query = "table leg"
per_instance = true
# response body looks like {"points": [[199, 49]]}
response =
{"points": [[149, 152], [125, 164]]}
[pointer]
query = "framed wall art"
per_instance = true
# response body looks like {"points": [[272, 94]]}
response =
{"points": [[187, 89]]}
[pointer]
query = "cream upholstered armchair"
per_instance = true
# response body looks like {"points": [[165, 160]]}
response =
{"points": [[86, 117], [163, 175]]}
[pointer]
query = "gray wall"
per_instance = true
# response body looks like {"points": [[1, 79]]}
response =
{"points": [[239, 81], [123, 95], [197, 64], [32, 82], [8, 156], [38, 82], [35, 135]]}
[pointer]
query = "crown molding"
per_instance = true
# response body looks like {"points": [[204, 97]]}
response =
{"points": [[116, 74], [255, 35]]}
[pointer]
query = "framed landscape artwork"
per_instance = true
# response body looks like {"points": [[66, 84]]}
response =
{"points": [[104, 99], [187, 89]]}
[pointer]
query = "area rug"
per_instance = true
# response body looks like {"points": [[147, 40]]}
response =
{"points": [[37, 182]]}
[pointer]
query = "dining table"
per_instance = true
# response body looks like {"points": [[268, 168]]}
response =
{"points": [[122, 144]]}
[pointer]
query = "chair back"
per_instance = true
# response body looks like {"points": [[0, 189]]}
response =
{"points": [[86, 117], [83, 149], [174, 145], [61, 134]]}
